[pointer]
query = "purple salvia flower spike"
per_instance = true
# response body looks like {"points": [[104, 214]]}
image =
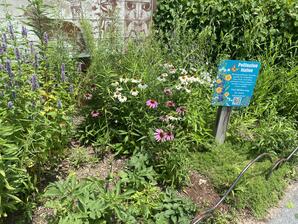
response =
{"points": [[10, 104], [46, 38], [24, 32], [34, 82], [17, 54], [36, 63], [8, 68], [59, 104], [31, 45], [63, 72], [10, 30], [13, 94]]}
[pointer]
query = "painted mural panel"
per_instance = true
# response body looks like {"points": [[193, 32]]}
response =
{"points": [[132, 18]]}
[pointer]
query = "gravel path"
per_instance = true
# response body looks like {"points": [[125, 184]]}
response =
{"points": [[287, 211]]}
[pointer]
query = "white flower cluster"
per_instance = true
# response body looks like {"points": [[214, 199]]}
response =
{"points": [[134, 92]]}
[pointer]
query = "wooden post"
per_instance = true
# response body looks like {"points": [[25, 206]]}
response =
{"points": [[222, 121]]}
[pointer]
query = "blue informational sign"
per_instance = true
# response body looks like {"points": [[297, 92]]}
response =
{"points": [[235, 83]]}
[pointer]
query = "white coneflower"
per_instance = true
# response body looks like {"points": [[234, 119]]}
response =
{"points": [[143, 86], [136, 81], [164, 75], [134, 92], [117, 95], [118, 89], [172, 70], [183, 71], [178, 87], [115, 84], [161, 79], [124, 80], [122, 99], [184, 79]]}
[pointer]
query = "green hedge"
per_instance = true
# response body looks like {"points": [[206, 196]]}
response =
{"points": [[241, 28]]}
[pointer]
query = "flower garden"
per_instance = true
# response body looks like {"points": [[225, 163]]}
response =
{"points": [[127, 136]]}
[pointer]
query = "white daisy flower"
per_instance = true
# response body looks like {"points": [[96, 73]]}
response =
{"points": [[122, 99], [117, 95], [136, 81], [161, 79], [118, 89], [164, 75], [183, 71], [172, 70], [184, 79], [115, 84], [143, 86], [134, 92], [178, 87]]}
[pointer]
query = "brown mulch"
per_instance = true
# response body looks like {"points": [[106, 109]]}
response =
{"points": [[202, 193]]}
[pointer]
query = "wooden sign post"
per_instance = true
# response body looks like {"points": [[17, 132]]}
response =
{"points": [[222, 121], [233, 87]]}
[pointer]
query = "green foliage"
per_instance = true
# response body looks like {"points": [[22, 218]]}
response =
{"points": [[242, 29], [36, 107], [80, 156], [115, 98], [132, 199], [254, 192]]}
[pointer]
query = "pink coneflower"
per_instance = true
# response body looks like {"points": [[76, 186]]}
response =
{"points": [[181, 110], [95, 114], [170, 104], [152, 104], [88, 96], [168, 136], [168, 92], [159, 135]]}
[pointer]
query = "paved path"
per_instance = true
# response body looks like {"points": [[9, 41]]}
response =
{"points": [[287, 211]]}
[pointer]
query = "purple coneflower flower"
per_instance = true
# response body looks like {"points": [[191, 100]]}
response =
{"points": [[170, 104], [88, 96], [169, 136], [10, 105], [181, 110], [17, 54], [159, 135], [63, 72], [1, 50], [95, 114], [168, 92], [152, 104], [45, 38], [34, 82], [59, 104], [24, 32]]}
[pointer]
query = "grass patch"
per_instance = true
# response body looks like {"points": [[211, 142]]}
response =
{"points": [[223, 164]]}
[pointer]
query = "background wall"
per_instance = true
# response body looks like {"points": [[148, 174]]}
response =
{"points": [[133, 17]]}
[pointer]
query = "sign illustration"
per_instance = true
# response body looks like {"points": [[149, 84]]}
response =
{"points": [[235, 83]]}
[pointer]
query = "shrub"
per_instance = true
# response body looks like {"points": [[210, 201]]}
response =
{"points": [[242, 29]]}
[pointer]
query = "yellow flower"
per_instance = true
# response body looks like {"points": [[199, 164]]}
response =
{"points": [[218, 90], [227, 94], [218, 81], [228, 77]]}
